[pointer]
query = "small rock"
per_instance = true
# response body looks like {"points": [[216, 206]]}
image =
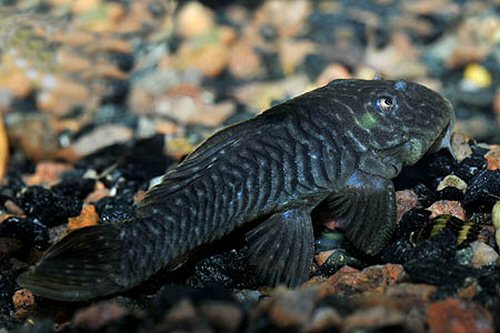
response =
{"points": [[288, 18], [223, 316], [322, 257], [42, 143], [476, 77], [411, 290], [194, 20], [96, 317], [375, 317], [47, 173], [324, 319], [348, 281], [447, 207], [333, 72], [483, 254], [495, 217], [87, 217], [24, 302], [452, 181], [405, 200], [292, 309], [244, 63], [484, 188], [101, 137], [454, 316], [493, 158], [460, 146]]}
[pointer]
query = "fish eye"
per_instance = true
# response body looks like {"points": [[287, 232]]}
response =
{"points": [[386, 103]]}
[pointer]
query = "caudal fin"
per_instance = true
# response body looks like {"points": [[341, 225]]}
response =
{"points": [[79, 267]]}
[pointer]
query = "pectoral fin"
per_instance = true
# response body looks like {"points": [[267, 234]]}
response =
{"points": [[281, 248], [366, 210]]}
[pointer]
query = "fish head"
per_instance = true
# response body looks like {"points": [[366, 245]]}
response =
{"points": [[397, 121]]}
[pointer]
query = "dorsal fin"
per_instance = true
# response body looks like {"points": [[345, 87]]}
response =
{"points": [[206, 154]]}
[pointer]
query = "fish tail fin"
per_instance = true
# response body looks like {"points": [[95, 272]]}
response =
{"points": [[81, 266]]}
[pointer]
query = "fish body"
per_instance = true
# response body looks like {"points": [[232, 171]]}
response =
{"points": [[340, 145]]}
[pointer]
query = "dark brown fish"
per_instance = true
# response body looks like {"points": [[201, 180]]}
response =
{"points": [[340, 144]]}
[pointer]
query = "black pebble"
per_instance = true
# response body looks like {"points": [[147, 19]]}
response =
{"points": [[484, 190], [48, 207], [114, 210], [450, 193], [116, 91], [470, 166], [73, 185], [28, 230], [124, 61]]}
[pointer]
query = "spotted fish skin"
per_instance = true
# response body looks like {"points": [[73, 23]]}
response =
{"points": [[340, 144]]}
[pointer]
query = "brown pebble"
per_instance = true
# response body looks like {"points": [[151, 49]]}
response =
{"points": [[97, 316], [452, 181], [460, 146], [24, 302], [194, 20], [455, 316], [4, 148], [223, 316], [13, 208], [42, 143], [88, 216], [483, 254], [349, 281], [376, 317], [47, 173], [493, 157], [405, 201], [324, 319], [244, 63], [183, 311], [411, 290], [322, 257], [447, 207], [292, 308]]}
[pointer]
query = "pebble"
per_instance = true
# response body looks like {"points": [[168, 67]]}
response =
{"points": [[97, 316], [292, 309], [4, 148], [452, 181], [348, 281], [101, 137], [460, 146], [42, 143], [244, 63], [405, 201], [194, 20], [495, 217], [483, 255], [87, 217], [47, 173], [476, 77], [455, 316], [447, 207], [223, 316], [24, 302], [493, 158], [376, 317], [324, 319]]}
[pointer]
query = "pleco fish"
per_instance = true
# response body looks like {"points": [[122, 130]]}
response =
{"points": [[340, 145]]}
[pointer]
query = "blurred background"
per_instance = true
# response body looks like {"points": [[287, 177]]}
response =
{"points": [[80, 75]]}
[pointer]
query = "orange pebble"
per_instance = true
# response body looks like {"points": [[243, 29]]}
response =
{"points": [[23, 301], [88, 216], [447, 207]]}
